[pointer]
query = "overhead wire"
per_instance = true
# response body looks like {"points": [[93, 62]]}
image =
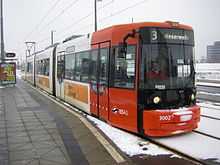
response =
{"points": [[60, 14], [89, 14], [43, 18], [105, 18], [79, 20]]}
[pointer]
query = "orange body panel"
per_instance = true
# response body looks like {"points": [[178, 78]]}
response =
{"points": [[29, 77], [76, 91], [43, 82], [170, 122]]}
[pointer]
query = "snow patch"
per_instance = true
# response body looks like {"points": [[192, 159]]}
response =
{"points": [[128, 143], [208, 84], [208, 93]]}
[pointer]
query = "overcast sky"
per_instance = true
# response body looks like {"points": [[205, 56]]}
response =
{"points": [[32, 20]]}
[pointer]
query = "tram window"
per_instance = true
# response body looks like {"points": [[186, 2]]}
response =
{"points": [[29, 67], [82, 66], [103, 66], [93, 66], [46, 67], [70, 66], [60, 66], [43, 67], [124, 69], [39, 67]]}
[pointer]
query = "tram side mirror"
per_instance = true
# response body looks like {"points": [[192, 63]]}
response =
{"points": [[122, 50]]}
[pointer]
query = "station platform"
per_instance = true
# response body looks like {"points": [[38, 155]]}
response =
{"points": [[36, 131]]}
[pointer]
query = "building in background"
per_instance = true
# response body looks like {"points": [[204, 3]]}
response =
{"points": [[213, 53]]}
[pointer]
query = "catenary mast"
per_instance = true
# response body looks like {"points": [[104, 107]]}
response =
{"points": [[2, 35]]}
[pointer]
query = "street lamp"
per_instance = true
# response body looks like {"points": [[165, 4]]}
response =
{"points": [[96, 13]]}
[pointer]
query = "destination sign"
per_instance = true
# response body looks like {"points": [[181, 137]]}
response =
{"points": [[10, 54], [172, 36]]}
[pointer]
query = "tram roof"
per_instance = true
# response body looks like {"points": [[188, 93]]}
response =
{"points": [[116, 33]]}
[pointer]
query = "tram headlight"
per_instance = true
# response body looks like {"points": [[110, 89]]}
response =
{"points": [[192, 97], [156, 100]]}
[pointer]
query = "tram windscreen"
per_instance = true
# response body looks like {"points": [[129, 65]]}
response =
{"points": [[167, 59]]}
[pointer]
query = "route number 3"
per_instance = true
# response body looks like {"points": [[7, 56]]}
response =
{"points": [[154, 35]]}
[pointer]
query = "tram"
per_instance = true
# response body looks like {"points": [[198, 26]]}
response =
{"points": [[139, 77]]}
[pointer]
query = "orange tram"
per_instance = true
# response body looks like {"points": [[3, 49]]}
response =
{"points": [[139, 77]]}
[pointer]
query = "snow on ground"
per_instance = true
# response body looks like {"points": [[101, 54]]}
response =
{"points": [[209, 126], [208, 71], [195, 145], [208, 84], [208, 104], [208, 93], [128, 143], [212, 112]]}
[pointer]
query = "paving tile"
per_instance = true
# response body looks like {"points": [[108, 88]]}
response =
{"points": [[27, 120], [27, 114], [49, 162], [12, 134], [13, 125], [32, 128], [55, 155], [18, 139], [3, 155], [36, 138], [18, 155], [50, 125], [3, 140], [21, 162], [4, 162], [16, 129], [43, 144], [37, 132], [20, 146], [2, 133]]}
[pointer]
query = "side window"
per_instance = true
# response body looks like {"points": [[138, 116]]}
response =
{"points": [[94, 66], [60, 66], [103, 66], [29, 67], [43, 67], [70, 66], [82, 66], [47, 67], [124, 69]]}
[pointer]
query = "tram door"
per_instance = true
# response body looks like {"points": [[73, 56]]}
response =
{"points": [[99, 82], [60, 76]]}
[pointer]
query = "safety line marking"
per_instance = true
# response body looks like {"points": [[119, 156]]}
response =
{"points": [[111, 150]]}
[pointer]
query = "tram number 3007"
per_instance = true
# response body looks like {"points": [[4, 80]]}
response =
{"points": [[165, 118]]}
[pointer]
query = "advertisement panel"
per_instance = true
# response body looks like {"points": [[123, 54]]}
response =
{"points": [[7, 73]]}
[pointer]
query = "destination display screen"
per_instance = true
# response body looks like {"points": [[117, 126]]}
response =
{"points": [[171, 36]]}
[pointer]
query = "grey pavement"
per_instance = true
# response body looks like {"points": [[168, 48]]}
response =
{"points": [[36, 131]]}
